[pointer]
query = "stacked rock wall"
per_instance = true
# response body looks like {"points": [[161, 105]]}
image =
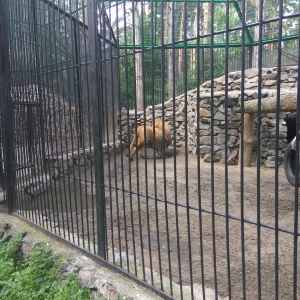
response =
{"points": [[187, 115], [64, 128], [61, 122], [199, 115]]}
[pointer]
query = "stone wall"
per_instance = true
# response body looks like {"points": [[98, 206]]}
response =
{"points": [[187, 104], [61, 130], [65, 129], [61, 123]]}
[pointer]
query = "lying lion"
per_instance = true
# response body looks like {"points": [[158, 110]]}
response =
{"points": [[140, 141]]}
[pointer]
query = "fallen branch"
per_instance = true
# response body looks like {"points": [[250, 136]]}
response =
{"points": [[288, 102]]}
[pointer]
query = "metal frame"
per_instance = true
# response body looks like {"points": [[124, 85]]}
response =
{"points": [[67, 174]]}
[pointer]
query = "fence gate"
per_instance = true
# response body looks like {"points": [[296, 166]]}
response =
{"points": [[210, 206]]}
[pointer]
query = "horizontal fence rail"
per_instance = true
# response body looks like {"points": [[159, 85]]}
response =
{"points": [[160, 137]]}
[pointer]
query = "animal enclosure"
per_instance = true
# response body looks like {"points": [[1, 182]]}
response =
{"points": [[190, 221]]}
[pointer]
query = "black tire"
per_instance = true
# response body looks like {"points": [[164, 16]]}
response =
{"points": [[290, 164]]}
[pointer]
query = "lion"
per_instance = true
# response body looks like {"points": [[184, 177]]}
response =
{"points": [[167, 129], [140, 141]]}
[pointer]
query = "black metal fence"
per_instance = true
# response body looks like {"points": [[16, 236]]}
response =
{"points": [[191, 219]]}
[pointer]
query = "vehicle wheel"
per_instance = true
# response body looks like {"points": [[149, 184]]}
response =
{"points": [[290, 164]]}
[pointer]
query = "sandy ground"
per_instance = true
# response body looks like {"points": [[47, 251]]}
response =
{"points": [[182, 219], [204, 226]]}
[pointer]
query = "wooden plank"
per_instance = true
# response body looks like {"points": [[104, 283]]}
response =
{"points": [[288, 102]]}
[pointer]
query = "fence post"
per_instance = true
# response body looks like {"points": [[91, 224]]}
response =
{"points": [[39, 83], [6, 107], [97, 121], [79, 92]]}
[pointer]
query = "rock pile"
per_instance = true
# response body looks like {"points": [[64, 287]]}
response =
{"points": [[203, 116], [217, 118]]}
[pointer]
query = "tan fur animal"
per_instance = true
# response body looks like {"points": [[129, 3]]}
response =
{"points": [[168, 136], [141, 141]]}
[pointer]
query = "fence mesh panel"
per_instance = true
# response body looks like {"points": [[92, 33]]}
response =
{"points": [[203, 199]]}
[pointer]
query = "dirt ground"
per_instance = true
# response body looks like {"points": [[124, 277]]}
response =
{"points": [[207, 235], [207, 229]]}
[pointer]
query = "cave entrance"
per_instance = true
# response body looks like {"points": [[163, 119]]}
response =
{"points": [[291, 128]]}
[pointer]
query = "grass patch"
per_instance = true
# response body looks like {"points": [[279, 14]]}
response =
{"points": [[36, 275]]}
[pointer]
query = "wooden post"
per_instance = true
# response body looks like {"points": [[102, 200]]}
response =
{"points": [[288, 102], [248, 139]]}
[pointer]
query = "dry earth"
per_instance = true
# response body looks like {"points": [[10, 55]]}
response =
{"points": [[206, 226], [197, 243]]}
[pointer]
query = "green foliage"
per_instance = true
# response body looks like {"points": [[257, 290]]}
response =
{"points": [[37, 276], [8, 257], [152, 79]]}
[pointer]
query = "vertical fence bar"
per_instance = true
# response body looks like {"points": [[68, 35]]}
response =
{"points": [[130, 179], [115, 106], [258, 162], [39, 81], [171, 76], [107, 96], [226, 153], [66, 82], [296, 205], [152, 22], [56, 85], [141, 76], [93, 45], [242, 152], [163, 85], [79, 128], [200, 68], [6, 107], [2, 177], [278, 88], [51, 131], [212, 39], [135, 94], [77, 77], [20, 140], [187, 193], [34, 125]]}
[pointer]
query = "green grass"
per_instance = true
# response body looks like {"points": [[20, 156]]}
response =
{"points": [[36, 275]]}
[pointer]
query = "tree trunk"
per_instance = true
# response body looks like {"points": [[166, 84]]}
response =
{"points": [[194, 32], [288, 102], [181, 36], [171, 63], [206, 18], [272, 34], [254, 63], [139, 80], [166, 23]]}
